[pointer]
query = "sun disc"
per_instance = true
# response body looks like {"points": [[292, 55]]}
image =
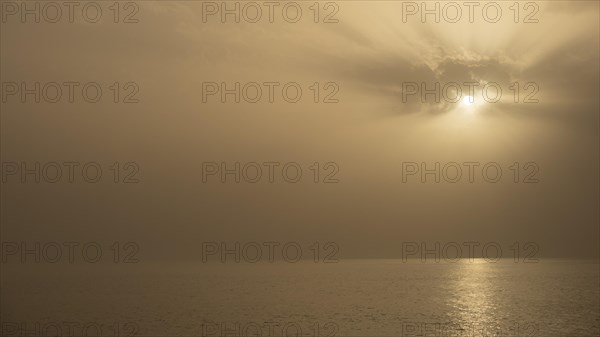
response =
{"points": [[468, 100]]}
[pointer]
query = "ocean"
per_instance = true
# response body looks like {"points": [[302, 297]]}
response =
{"points": [[554, 297]]}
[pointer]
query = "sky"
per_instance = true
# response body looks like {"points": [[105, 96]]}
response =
{"points": [[369, 137]]}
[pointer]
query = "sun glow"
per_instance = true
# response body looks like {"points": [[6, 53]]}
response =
{"points": [[468, 100]]}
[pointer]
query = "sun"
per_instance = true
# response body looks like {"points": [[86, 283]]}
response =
{"points": [[468, 100]]}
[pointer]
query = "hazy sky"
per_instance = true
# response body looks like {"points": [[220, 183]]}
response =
{"points": [[369, 133]]}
